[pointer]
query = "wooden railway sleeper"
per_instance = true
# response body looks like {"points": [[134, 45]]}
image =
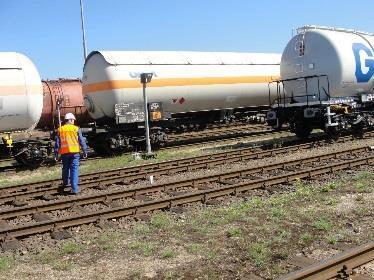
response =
{"points": [[204, 198], [226, 182], [107, 201], [9, 243]]}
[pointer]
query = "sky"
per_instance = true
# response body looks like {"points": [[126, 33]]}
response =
{"points": [[49, 31]]}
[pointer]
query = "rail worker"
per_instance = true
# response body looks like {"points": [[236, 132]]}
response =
{"points": [[69, 143]]}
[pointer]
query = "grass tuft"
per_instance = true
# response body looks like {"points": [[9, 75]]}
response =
{"points": [[322, 224], [363, 187], [333, 239], [258, 253], [193, 248], [71, 248], [329, 187], [5, 263], [145, 248], [168, 253], [63, 265], [305, 238], [234, 232], [160, 221]]}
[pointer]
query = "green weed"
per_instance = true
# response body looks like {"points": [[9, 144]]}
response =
{"points": [[331, 201], [71, 248], [48, 257], [322, 224], [283, 236], [363, 187], [234, 232], [365, 175], [141, 229], [145, 248], [333, 239], [328, 187], [193, 248], [160, 221], [168, 253], [135, 275], [278, 212], [63, 265], [258, 253], [107, 241], [305, 238], [5, 263]]}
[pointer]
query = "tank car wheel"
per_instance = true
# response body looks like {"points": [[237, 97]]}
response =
{"points": [[332, 132], [358, 127], [106, 145], [158, 139], [302, 130], [30, 155], [278, 126], [358, 131], [96, 143], [114, 144]]}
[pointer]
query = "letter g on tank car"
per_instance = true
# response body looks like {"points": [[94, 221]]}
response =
{"points": [[363, 76]]}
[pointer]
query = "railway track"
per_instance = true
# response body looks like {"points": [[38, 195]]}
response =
{"points": [[340, 266], [217, 132], [210, 136], [13, 194], [130, 201]]}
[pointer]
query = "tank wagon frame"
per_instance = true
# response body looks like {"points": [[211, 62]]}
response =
{"points": [[326, 82], [333, 115], [116, 137]]}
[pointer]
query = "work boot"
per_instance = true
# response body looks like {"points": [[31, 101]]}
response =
{"points": [[72, 193], [61, 189]]}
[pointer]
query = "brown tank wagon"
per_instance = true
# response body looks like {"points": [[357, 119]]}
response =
{"points": [[65, 94]]}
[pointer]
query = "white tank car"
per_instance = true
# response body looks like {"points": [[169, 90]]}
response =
{"points": [[326, 82], [182, 81], [346, 57], [21, 93]]}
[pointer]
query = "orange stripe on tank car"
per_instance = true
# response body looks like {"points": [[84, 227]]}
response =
{"points": [[119, 84], [20, 90]]}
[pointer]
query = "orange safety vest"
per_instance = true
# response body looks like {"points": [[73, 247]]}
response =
{"points": [[69, 143]]}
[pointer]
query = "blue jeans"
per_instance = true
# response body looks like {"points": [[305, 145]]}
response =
{"points": [[70, 169]]}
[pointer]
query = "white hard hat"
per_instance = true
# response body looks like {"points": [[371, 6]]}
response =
{"points": [[70, 116]]}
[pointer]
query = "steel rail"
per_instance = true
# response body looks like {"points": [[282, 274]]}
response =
{"points": [[219, 132], [341, 264], [9, 233], [173, 143], [89, 176], [232, 155], [140, 172], [223, 178]]}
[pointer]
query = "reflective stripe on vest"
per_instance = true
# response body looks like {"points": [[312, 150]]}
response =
{"points": [[69, 142]]}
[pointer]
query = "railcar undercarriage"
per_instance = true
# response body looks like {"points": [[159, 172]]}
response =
{"points": [[29, 151], [115, 138], [332, 115]]}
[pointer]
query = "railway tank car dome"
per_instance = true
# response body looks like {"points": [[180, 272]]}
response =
{"points": [[21, 93]]}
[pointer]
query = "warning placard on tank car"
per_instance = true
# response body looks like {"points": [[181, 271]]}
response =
{"points": [[129, 112]]}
